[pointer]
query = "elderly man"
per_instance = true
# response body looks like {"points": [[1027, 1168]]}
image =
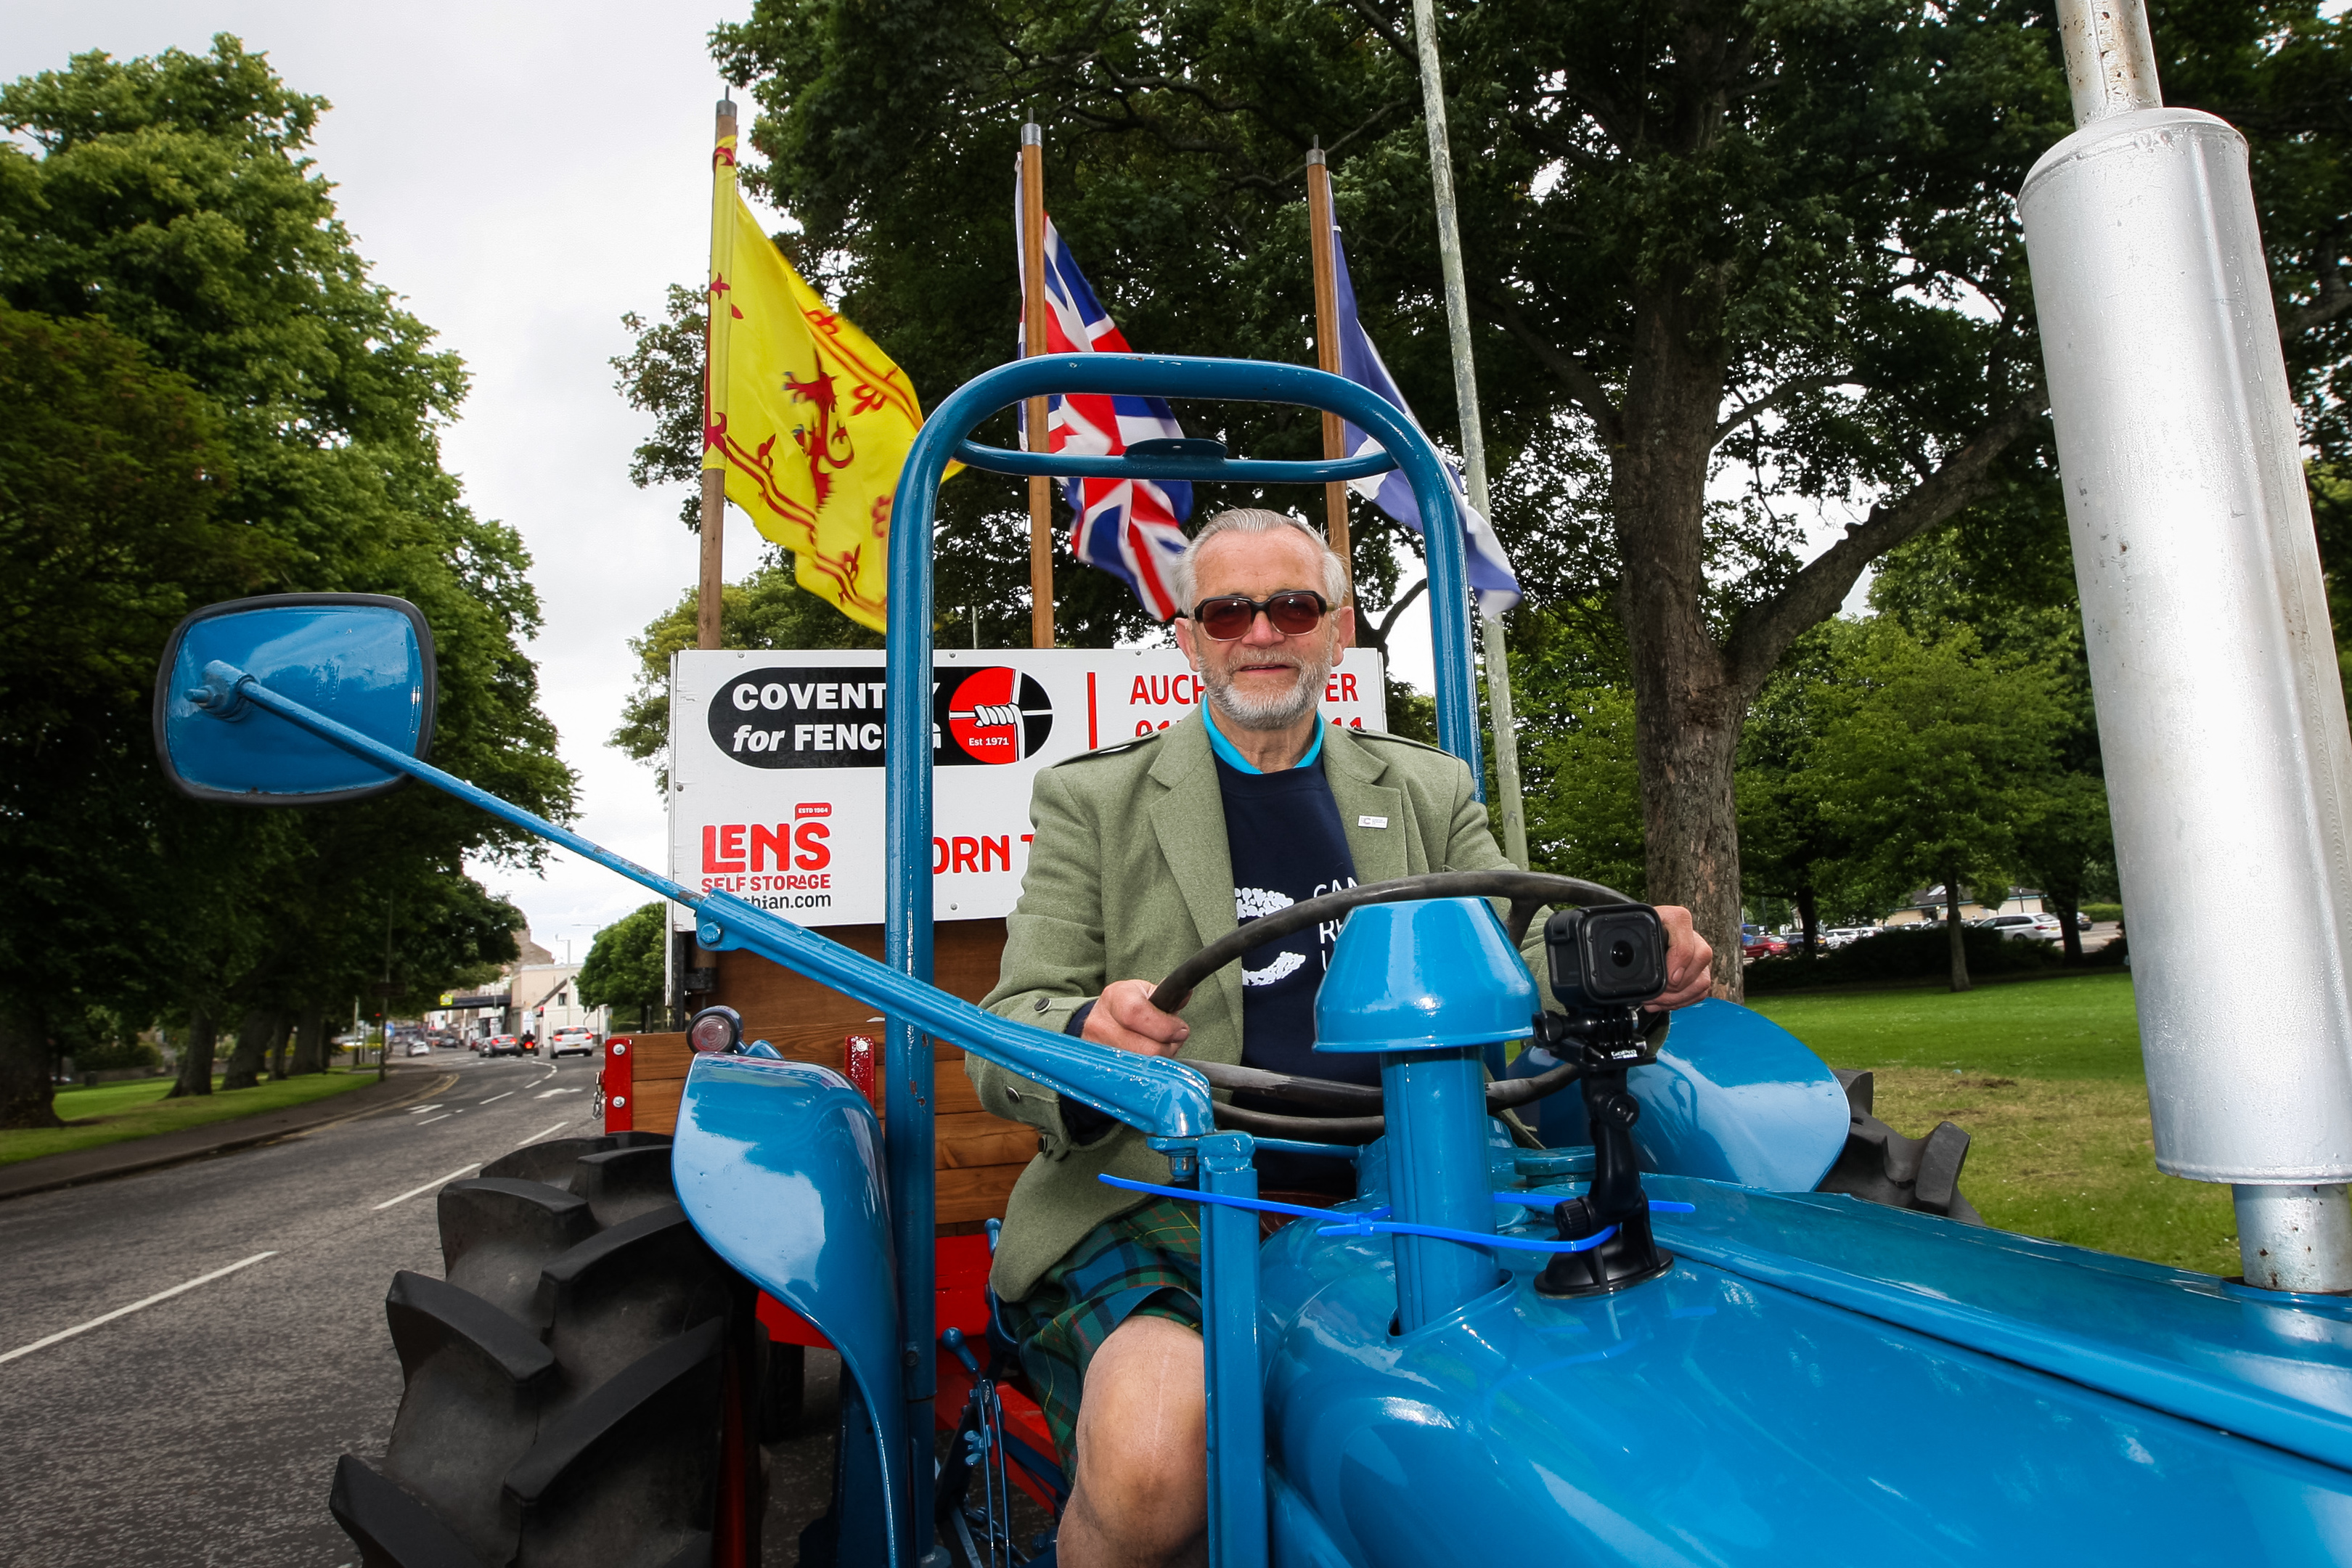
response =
{"points": [[1144, 853]]}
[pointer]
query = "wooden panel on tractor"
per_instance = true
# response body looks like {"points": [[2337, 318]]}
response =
{"points": [[979, 1157]]}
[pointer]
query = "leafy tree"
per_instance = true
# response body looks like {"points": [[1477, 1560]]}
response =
{"points": [[766, 610], [1792, 842], [624, 966], [111, 475], [1708, 244], [2011, 581], [1576, 747], [168, 202], [1931, 760]]}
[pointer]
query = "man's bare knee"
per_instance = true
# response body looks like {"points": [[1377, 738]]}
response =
{"points": [[1142, 1436]]}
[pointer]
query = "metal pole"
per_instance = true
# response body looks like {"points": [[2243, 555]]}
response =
{"points": [[2110, 58], [714, 382], [1474, 442], [2228, 762], [1235, 1380], [1032, 337], [1327, 349]]}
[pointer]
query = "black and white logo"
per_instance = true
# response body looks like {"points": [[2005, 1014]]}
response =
{"points": [[800, 717]]}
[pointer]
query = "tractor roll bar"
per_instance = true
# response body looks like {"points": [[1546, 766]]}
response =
{"points": [[1237, 1505]]}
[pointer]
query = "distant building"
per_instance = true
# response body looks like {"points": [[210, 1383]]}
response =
{"points": [[1927, 904], [527, 994], [546, 997]]}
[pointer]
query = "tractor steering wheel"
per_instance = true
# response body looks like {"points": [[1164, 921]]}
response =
{"points": [[1527, 890]]}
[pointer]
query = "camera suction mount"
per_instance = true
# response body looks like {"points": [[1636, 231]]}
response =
{"points": [[1606, 963]]}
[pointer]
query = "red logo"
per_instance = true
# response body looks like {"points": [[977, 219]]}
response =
{"points": [[999, 715], [809, 808]]}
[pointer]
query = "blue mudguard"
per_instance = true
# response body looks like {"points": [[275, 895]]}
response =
{"points": [[1733, 1097], [779, 1165]]}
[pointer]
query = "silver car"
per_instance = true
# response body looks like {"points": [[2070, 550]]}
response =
{"points": [[2044, 928]]}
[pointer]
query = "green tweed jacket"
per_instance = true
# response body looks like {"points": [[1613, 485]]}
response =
{"points": [[1129, 875]]}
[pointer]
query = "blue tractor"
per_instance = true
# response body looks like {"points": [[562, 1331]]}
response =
{"points": [[1655, 1340]]}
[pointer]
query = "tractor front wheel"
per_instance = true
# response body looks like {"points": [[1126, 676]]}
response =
{"points": [[581, 1384]]}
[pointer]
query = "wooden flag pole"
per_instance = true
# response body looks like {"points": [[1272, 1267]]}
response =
{"points": [[714, 375], [1326, 349], [1509, 807], [1032, 330]]}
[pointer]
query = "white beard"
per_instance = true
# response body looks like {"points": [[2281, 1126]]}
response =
{"points": [[1279, 711]]}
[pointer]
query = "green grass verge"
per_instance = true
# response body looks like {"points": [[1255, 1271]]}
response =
{"points": [[2046, 1077], [118, 1112]]}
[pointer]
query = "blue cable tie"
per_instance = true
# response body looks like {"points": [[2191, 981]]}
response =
{"points": [[1471, 1237], [1545, 1200], [1375, 1222], [1264, 1206]]}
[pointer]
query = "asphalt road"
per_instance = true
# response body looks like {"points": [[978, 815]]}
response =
{"points": [[203, 1428]]}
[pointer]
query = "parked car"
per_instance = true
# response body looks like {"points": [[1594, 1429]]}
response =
{"points": [[1755, 942], [2043, 927], [502, 1046], [575, 1042]]}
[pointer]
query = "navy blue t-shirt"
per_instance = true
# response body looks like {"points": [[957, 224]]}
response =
{"points": [[1287, 845]]}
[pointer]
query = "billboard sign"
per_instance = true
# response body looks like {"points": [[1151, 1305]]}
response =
{"points": [[776, 763]]}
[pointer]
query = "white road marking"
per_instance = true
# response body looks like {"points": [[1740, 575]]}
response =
{"points": [[135, 1306], [430, 1120], [557, 1128], [430, 1185], [546, 1093], [419, 1109], [499, 1096]]}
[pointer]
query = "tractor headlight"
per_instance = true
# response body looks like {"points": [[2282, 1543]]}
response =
{"points": [[715, 1030]]}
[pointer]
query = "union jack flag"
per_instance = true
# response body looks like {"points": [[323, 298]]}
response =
{"points": [[1130, 527]]}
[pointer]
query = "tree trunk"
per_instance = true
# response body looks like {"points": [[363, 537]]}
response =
{"points": [[2068, 937], [1687, 707], [277, 1053], [1953, 930], [1809, 907], [257, 1033], [196, 1056], [28, 1096], [310, 1040]]}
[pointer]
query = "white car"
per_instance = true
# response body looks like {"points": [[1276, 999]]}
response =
{"points": [[571, 1043], [2043, 927]]}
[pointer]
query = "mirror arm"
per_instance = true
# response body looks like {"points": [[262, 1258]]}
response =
{"points": [[241, 688]]}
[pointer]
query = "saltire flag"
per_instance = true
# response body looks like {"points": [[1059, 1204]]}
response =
{"points": [[809, 419], [1133, 528], [1492, 580]]}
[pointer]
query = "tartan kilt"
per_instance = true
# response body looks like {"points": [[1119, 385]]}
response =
{"points": [[1144, 1263]]}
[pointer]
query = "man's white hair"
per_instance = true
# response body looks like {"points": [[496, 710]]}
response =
{"points": [[1255, 519]]}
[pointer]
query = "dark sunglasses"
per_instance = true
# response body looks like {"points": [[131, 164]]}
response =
{"points": [[1229, 616]]}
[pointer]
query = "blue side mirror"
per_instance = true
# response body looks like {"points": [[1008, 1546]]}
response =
{"points": [[362, 659]]}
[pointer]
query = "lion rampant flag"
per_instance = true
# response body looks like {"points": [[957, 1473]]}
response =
{"points": [[809, 419]]}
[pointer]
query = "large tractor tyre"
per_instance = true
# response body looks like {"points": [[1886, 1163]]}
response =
{"points": [[581, 1386], [1880, 1165]]}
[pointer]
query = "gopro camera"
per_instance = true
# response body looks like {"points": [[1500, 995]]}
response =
{"points": [[1610, 956]]}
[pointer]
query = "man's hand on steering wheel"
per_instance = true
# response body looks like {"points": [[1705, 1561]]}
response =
{"points": [[1690, 962], [1124, 1019]]}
